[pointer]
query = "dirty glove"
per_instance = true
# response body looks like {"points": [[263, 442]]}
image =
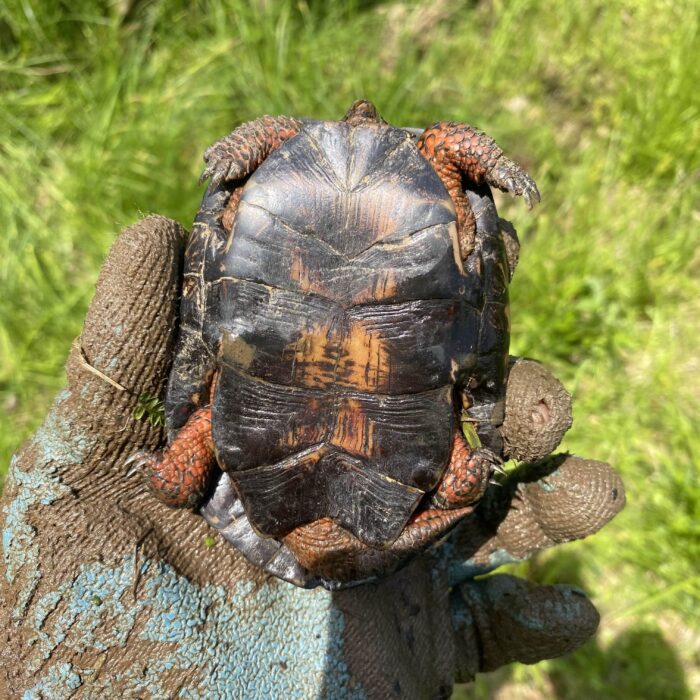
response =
{"points": [[107, 593]]}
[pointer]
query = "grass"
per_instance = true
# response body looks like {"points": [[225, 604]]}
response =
{"points": [[106, 108]]}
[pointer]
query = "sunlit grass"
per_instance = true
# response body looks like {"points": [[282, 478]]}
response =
{"points": [[104, 115]]}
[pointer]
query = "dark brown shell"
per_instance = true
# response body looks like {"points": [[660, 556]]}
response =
{"points": [[341, 318]]}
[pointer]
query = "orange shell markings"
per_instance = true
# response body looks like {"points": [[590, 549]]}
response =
{"points": [[353, 431], [365, 362], [357, 358]]}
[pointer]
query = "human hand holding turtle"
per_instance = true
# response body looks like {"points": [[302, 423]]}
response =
{"points": [[109, 590]]}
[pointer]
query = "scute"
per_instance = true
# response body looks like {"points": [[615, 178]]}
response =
{"points": [[333, 182], [357, 498], [266, 249]]}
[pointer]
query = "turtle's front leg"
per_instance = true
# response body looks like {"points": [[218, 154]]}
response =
{"points": [[179, 475], [457, 150], [467, 475], [245, 148]]}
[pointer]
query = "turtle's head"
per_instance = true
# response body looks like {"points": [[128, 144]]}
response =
{"points": [[362, 112]]}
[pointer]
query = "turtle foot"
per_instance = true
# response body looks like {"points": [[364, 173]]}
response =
{"points": [[222, 164], [240, 153], [508, 176], [456, 149], [179, 476], [467, 475]]}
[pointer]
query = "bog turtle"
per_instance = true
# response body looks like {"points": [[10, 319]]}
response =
{"points": [[344, 305]]}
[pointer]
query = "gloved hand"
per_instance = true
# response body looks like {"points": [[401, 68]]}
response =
{"points": [[106, 590]]}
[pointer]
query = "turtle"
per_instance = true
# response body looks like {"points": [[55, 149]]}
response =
{"points": [[344, 309]]}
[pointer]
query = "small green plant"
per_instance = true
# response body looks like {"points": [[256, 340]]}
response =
{"points": [[209, 541], [150, 408], [469, 431]]}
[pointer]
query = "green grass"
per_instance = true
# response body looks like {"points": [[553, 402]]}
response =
{"points": [[105, 110]]}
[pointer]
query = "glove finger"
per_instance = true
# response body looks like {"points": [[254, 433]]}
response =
{"points": [[131, 317], [501, 619], [552, 501], [537, 411], [123, 351]]}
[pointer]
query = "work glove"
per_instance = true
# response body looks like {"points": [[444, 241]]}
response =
{"points": [[107, 593]]}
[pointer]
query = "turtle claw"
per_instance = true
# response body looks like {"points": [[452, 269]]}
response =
{"points": [[218, 171], [494, 462], [508, 176], [531, 194], [138, 460], [221, 165], [205, 174]]}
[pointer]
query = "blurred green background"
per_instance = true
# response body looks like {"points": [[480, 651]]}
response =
{"points": [[106, 107]]}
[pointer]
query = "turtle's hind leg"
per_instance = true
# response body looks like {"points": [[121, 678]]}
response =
{"points": [[467, 475], [237, 155], [457, 150], [179, 475]]}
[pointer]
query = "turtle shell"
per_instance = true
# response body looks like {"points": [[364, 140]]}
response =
{"points": [[339, 318]]}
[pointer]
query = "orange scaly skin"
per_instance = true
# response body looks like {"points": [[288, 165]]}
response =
{"points": [[180, 474], [466, 477], [457, 150], [242, 151]]}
